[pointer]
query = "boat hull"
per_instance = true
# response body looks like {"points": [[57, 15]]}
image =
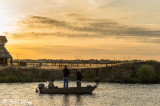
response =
{"points": [[71, 90]]}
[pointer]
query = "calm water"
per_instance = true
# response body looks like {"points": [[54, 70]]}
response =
{"points": [[106, 94]]}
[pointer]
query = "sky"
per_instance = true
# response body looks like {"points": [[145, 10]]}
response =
{"points": [[83, 29]]}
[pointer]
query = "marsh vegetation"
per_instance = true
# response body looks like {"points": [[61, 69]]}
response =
{"points": [[136, 72]]}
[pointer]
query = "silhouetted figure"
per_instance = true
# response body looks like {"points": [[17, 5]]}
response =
{"points": [[66, 74], [79, 77], [51, 84], [36, 90]]}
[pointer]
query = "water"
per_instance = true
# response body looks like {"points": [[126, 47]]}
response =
{"points": [[107, 94]]}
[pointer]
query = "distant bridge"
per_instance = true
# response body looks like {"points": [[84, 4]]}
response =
{"points": [[61, 63]]}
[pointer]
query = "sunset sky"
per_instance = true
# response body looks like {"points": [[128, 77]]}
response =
{"points": [[84, 29]]}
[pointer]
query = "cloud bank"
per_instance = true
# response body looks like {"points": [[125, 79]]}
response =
{"points": [[38, 26]]}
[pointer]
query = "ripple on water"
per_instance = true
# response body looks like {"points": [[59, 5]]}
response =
{"points": [[106, 94]]}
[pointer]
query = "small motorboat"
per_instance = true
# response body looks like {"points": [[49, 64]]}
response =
{"points": [[71, 90]]}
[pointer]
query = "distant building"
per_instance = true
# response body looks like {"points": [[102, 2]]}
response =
{"points": [[5, 56]]}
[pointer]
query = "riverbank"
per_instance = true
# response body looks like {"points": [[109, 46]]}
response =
{"points": [[137, 72]]}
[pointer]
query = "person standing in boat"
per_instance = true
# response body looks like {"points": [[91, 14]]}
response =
{"points": [[66, 73], [79, 78]]}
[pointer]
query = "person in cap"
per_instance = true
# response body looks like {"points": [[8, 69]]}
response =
{"points": [[51, 84]]}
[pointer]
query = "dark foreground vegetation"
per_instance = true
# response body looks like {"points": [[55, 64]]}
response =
{"points": [[136, 72]]}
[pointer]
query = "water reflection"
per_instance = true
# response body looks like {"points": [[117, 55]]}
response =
{"points": [[51, 97], [66, 100], [79, 100], [106, 94]]}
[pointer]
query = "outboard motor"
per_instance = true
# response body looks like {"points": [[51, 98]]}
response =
{"points": [[89, 86], [40, 86]]}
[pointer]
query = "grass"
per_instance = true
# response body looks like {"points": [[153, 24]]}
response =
{"points": [[146, 74], [138, 72], [18, 74]]}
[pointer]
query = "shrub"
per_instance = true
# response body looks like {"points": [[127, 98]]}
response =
{"points": [[151, 62], [146, 74]]}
